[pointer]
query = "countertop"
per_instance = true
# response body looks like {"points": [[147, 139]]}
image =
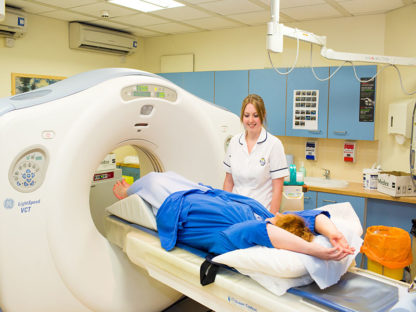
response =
{"points": [[357, 189]]}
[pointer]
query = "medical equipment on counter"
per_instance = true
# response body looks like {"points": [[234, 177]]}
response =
{"points": [[292, 196], [370, 178], [49, 244]]}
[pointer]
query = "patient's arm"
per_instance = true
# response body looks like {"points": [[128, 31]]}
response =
{"points": [[283, 239], [324, 226]]}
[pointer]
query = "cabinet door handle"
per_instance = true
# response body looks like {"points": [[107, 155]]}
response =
{"points": [[315, 131], [340, 132], [306, 197], [329, 201]]}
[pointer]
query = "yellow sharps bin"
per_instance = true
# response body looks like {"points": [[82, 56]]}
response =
{"points": [[388, 250]]}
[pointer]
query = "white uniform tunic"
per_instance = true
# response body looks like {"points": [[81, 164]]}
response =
{"points": [[253, 173]]}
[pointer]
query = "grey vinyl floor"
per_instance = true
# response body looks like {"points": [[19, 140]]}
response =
{"points": [[187, 305]]}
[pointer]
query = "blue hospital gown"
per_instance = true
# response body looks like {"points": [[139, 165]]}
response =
{"points": [[216, 221]]}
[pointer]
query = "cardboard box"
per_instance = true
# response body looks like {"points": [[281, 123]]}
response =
{"points": [[109, 163], [395, 183]]}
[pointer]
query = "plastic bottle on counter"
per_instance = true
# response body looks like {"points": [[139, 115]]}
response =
{"points": [[303, 170]]}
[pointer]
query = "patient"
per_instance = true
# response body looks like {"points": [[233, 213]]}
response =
{"points": [[218, 221]]}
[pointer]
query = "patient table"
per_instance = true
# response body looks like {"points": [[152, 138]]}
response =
{"points": [[231, 291]]}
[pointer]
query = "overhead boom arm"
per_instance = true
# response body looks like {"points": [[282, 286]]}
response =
{"points": [[276, 31]]}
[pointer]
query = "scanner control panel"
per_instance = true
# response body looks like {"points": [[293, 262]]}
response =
{"points": [[28, 169], [148, 91]]}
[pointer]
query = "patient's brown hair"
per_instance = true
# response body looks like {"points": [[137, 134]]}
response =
{"points": [[295, 225]]}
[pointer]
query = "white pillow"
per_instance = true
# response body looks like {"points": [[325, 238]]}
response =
{"points": [[134, 209], [260, 259], [270, 267]]}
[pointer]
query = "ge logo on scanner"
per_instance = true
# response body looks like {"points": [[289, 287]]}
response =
{"points": [[9, 203]]}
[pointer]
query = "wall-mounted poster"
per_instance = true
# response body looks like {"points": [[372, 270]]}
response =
{"points": [[305, 109], [27, 82], [367, 99]]}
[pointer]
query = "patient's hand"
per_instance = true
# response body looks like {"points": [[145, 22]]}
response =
{"points": [[338, 240], [324, 253], [120, 189]]}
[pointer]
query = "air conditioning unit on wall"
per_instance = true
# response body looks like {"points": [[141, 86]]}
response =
{"points": [[14, 24], [95, 38]]}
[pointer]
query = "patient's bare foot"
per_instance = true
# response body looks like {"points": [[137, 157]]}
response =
{"points": [[120, 189]]}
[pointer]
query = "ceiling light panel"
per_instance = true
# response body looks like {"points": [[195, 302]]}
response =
{"points": [[147, 5]]}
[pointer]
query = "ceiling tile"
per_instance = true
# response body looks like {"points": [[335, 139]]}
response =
{"points": [[227, 7], [299, 3], [311, 12], [172, 28], [253, 18], [95, 9], [360, 7], [67, 16], [181, 13], [29, 6], [68, 3], [140, 32], [140, 20], [213, 23], [295, 3]]}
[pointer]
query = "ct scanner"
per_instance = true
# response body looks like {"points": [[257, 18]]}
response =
{"points": [[52, 257]]}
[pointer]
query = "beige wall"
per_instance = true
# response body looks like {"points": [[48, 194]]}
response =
{"points": [[44, 50], [244, 48], [399, 41]]}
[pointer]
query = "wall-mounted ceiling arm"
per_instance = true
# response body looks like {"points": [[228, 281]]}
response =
{"points": [[276, 31]]}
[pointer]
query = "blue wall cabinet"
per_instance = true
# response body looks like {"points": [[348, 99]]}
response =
{"points": [[390, 213], [344, 104], [309, 200], [176, 78], [303, 79], [272, 88], [200, 84], [231, 87], [358, 203]]}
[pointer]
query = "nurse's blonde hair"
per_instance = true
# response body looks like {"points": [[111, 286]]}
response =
{"points": [[258, 103]]}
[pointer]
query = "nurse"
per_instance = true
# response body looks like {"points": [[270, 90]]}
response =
{"points": [[255, 162]]}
